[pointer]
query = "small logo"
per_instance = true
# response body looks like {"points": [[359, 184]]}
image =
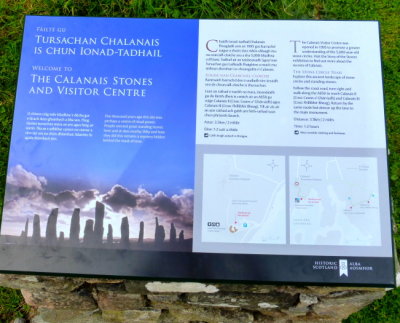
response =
{"points": [[296, 132], [343, 268], [233, 229], [213, 224], [297, 199]]}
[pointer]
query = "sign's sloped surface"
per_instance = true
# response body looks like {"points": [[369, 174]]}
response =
{"points": [[238, 150]]}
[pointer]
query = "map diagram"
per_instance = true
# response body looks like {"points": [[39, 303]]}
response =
{"points": [[244, 199], [334, 201]]}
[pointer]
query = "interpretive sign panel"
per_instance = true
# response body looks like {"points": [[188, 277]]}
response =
{"points": [[199, 149]]}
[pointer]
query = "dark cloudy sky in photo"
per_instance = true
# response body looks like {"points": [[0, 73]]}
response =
{"points": [[27, 195]]}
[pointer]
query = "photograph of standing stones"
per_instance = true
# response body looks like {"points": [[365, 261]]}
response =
{"points": [[93, 234], [117, 219]]}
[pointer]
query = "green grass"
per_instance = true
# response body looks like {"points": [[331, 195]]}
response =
{"points": [[386, 11], [386, 310], [11, 305]]}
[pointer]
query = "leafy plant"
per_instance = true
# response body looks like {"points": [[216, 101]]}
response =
{"points": [[12, 305]]}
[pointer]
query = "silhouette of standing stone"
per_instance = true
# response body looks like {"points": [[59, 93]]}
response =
{"points": [[88, 233], [75, 228], [156, 231], [141, 233], [162, 234], [159, 234], [98, 224], [124, 233], [24, 233], [155, 235], [172, 234], [24, 239], [26, 227], [181, 236], [62, 238], [36, 230], [110, 235], [51, 228]]}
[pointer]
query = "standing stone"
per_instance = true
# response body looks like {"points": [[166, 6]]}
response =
{"points": [[172, 234], [124, 233], [23, 240], [51, 228], [98, 224], [24, 233], [26, 227], [36, 230], [110, 235], [61, 239], [156, 232], [162, 233], [159, 233], [181, 236], [75, 228], [88, 233], [141, 233]]}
